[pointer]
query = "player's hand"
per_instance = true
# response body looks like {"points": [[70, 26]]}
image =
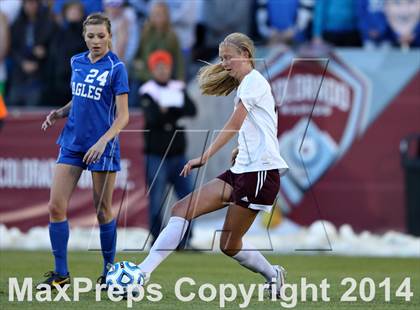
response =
{"points": [[29, 66], [234, 154], [192, 164], [406, 39], [51, 118], [317, 41], [39, 51], [95, 152]]}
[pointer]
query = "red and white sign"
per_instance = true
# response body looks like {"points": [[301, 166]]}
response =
{"points": [[27, 161]]}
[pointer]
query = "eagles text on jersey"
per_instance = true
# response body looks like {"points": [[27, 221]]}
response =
{"points": [[94, 87]]}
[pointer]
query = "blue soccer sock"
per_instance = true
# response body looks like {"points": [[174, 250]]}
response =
{"points": [[59, 237], [108, 235]]}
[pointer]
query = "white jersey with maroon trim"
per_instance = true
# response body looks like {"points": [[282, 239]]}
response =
{"points": [[257, 142]]}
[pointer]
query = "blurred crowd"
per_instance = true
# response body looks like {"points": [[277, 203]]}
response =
{"points": [[38, 37]]}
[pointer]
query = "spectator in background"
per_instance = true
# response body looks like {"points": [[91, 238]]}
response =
{"points": [[258, 20], [281, 20], [10, 8], [158, 34], [305, 19], [3, 111], [4, 48], [198, 49], [141, 8], [9, 11], [284, 21], [32, 33], [125, 29], [336, 23], [67, 41], [404, 20], [221, 17], [372, 22], [184, 20], [91, 6], [164, 102]]}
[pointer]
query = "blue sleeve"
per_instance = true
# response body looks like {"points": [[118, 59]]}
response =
{"points": [[92, 6], [320, 7], [120, 80], [58, 6], [362, 18], [416, 32]]}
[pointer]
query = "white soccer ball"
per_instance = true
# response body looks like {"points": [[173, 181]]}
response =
{"points": [[124, 276]]}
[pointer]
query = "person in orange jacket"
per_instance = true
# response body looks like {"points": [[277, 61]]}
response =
{"points": [[3, 111]]}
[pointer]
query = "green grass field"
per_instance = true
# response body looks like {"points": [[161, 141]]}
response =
{"points": [[217, 269]]}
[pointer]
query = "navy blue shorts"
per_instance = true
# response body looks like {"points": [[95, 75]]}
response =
{"points": [[255, 190], [105, 163]]}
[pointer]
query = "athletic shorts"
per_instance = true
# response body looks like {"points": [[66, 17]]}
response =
{"points": [[255, 190], [105, 163]]}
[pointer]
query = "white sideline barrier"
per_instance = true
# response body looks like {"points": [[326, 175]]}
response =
{"points": [[344, 241]]}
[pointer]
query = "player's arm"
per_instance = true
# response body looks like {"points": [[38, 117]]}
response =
{"points": [[120, 121], [229, 130], [95, 152], [64, 111], [54, 115]]}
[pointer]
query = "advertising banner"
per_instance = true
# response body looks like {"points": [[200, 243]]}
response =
{"points": [[27, 161]]}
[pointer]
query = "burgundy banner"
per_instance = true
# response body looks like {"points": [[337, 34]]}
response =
{"points": [[27, 160]]}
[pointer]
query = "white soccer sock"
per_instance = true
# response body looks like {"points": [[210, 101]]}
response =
{"points": [[167, 241], [251, 258]]}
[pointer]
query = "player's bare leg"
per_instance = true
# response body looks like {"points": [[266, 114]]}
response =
{"points": [[238, 220], [103, 188], [210, 197], [64, 182]]}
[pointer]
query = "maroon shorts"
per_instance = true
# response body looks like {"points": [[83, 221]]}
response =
{"points": [[256, 190]]}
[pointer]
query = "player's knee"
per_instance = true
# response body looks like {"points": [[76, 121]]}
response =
{"points": [[104, 213], [57, 210], [228, 246], [227, 250], [103, 204], [179, 209], [100, 202]]}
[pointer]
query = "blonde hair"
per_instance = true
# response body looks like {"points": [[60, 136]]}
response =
{"points": [[98, 19], [213, 79]]}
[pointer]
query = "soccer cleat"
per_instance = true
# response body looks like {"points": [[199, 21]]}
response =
{"points": [[53, 280], [102, 280], [274, 287]]}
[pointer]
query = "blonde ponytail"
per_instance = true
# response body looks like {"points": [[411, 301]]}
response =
{"points": [[214, 80]]}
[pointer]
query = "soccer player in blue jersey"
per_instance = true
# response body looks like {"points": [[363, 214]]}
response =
{"points": [[96, 114]]}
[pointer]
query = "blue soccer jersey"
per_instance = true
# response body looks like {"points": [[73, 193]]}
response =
{"points": [[94, 87]]}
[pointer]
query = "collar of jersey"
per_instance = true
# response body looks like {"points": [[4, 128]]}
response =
{"points": [[99, 60]]}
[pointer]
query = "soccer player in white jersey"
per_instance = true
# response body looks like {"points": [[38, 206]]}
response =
{"points": [[96, 114], [252, 183]]}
